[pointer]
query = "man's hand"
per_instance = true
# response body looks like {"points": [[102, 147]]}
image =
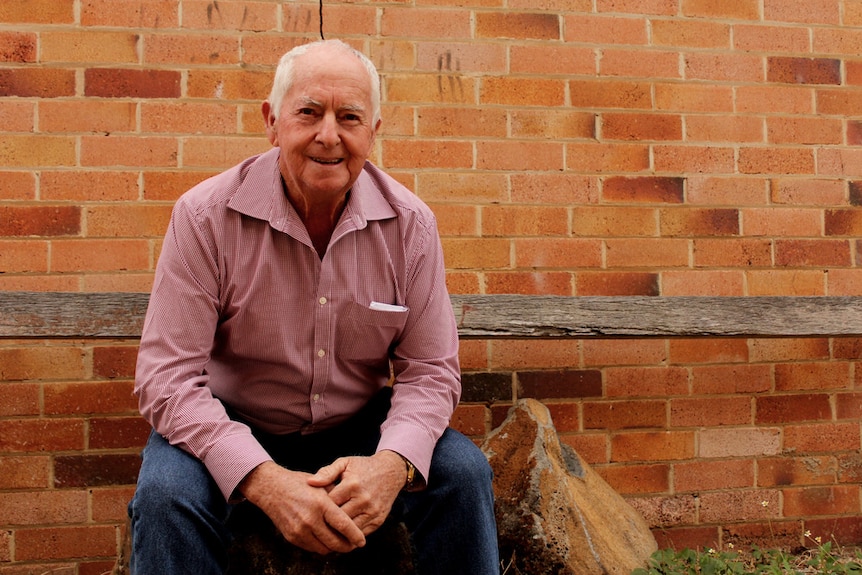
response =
{"points": [[363, 487], [305, 514]]}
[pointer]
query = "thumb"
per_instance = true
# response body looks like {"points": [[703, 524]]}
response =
{"points": [[328, 474]]}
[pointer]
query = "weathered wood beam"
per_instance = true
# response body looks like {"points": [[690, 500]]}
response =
{"points": [[56, 315]]}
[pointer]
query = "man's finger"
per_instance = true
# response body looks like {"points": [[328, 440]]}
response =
{"points": [[340, 522]]}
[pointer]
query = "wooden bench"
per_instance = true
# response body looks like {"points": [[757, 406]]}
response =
{"points": [[61, 315]]}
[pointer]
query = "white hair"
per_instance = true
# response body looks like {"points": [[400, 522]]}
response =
{"points": [[284, 75]]}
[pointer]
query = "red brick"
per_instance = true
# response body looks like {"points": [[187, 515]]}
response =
{"points": [[625, 414], [841, 530], [699, 222], [170, 185], [791, 70], [772, 472], [602, 157], [46, 543], [643, 189], [814, 11], [565, 416], [787, 349], [812, 253], [468, 187], [17, 185], [218, 84], [43, 507], [805, 131], [842, 222], [552, 189], [517, 25], [706, 475], [591, 447], [816, 501], [781, 222], [646, 252], [557, 253], [30, 435], [697, 538], [666, 511], [89, 398], [822, 437], [524, 221], [813, 376], [471, 420], [37, 11], [770, 534], [707, 412], [731, 379], [627, 63], [776, 161], [416, 88], [694, 159], [736, 10], [637, 479], [646, 381], [19, 47], [700, 350], [710, 252], [25, 472], [610, 94], [616, 283], [515, 91], [735, 67], [821, 191], [524, 354], [109, 503], [456, 219], [91, 185], [774, 99], [652, 446], [118, 433], [848, 405], [529, 283], [17, 399], [694, 98], [623, 352], [486, 388], [738, 442], [96, 470], [638, 127], [128, 220], [792, 408], [691, 33], [702, 283], [839, 162], [23, 256], [736, 505]]}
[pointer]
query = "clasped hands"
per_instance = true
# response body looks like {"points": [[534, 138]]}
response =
{"points": [[331, 510]]}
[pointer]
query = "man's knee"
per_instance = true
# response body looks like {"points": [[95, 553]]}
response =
{"points": [[458, 461]]}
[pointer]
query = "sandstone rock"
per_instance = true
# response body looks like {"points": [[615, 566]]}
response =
{"points": [[554, 513]]}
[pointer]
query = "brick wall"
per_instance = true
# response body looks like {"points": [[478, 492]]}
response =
{"points": [[585, 147]]}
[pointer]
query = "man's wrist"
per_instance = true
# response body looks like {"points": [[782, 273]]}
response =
{"points": [[411, 477]]}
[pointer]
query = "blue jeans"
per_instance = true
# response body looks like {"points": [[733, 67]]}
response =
{"points": [[179, 516]]}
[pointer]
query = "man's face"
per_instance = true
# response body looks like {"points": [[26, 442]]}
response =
{"points": [[324, 127]]}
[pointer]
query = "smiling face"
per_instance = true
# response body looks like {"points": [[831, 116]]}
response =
{"points": [[324, 128]]}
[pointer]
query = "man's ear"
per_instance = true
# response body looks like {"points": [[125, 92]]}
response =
{"points": [[269, 122]]}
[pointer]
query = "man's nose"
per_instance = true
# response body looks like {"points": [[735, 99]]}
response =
{"points": [[328, 132]]}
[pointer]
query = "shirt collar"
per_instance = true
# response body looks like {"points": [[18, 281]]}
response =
{"points": [[261, 195]]}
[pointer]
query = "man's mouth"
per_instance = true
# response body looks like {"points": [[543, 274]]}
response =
{"points": [[328, 161]]}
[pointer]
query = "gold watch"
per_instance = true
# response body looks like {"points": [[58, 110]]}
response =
{"points": [[411, 474]]}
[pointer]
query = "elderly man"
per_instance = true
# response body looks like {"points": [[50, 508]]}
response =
{"points": [[300, 350]]}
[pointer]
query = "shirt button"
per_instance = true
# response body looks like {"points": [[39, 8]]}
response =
{"points": [[320, 353], [316, 397], [322, 300]]}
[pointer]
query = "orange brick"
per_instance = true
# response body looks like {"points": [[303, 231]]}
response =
{"points": [[610, 94], [18, 116], [646, 381], [512, 155], [17, 185], [776, 161], [518, 25], [221, 153], [23, 256], [772, 472], [612, 283], [552, 124], [694, 159], [188, 118], [39, 283], [246, 16], [456, 220], [86, 116], [45, 435], [637, 479], [471, 420], [136, 14], [38, 11], [25, 472], [37, 151], [88, 46], [736, 10], [707, 350], [473, 354], [40, 507], [99, 255], [641, 126], [628, 414], [45, 543], [625, 63], [843, 282], [532, 283], [425, 22], [623, 352], [19, 399], [128, 151], [652, 446], [708, 128], [702, 283], [805, 131], [512, 220], [707, 412], [781, 222], [698, 222], [787, 349], [816, 11], [109, 282], [170, 185], [188, 48], [705, 475], [128, 220], [842, 222], [731, 379], [451, 57], [728, 191], [694, 98], [228, 84], [481, 253], [462, 283], [41, 363], [609, 221], [520, 354], [592, 448], [762, 37], [90, 185], [817, 192], [557, 253], [812, 253], [775, 99], [691, 33], [515, 91], [724, 67], [109, 503], [603, 29], [427, 154], [786, 282], [739, 442], [549, 60], [461, 122], [602, 157], [646, 252], [462, 187], [566, 189], [839, 162]]}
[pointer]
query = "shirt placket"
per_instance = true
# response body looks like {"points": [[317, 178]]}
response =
{"points": [[324, 344]]}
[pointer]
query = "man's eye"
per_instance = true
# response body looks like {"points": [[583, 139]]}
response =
{"points": [[306, 111]]}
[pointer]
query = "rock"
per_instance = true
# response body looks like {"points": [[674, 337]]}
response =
{"points": [[554, 513]]}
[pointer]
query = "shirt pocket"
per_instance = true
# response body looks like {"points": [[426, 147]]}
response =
{"points": [[365, 335]]}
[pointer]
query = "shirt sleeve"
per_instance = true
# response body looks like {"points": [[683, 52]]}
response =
{"points": [[427, 383], [177, 338]]}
